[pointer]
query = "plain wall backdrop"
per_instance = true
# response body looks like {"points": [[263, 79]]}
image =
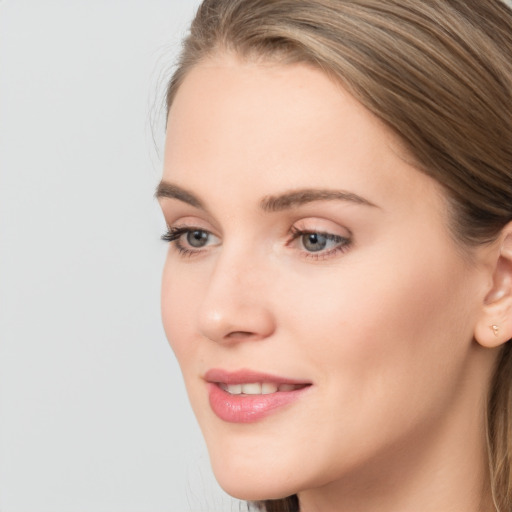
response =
{"points": [[93, 413]]}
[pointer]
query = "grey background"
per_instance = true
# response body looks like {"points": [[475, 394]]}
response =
{"points": [[93, 413]]}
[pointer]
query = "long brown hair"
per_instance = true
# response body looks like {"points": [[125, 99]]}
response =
{"points": [[439, 73]]}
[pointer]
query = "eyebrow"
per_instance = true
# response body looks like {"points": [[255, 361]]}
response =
{"points": [[172, 191], [299, 197], [276, 203]]}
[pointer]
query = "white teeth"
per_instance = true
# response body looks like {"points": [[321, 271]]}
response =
{"points": [[251, 389], [234, 389], [256, 388], [267, 388]]}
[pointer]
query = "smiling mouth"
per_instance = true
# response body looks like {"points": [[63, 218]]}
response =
{"points": [[247, 396], [259, 388], [247, 399]]}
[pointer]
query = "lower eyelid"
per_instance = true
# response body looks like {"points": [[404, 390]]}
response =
{"points": [[325, 255]]}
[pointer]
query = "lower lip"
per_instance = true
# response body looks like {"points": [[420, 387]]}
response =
{"points": [[248, 408]]}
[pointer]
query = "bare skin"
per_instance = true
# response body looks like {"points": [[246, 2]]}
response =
{"points": [[357, 288]]}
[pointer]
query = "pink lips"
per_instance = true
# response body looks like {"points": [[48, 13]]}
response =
{"points": [[248, 408]]}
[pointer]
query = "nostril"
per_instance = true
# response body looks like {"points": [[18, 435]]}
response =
{"points": [[225, 317], [240, 334]]}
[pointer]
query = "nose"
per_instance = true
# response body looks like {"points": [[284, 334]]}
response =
{"points": [[236, 305]]}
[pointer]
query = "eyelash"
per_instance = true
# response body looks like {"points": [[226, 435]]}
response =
{"points": [[173, 235]]}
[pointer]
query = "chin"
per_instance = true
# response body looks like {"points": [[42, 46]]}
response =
{"points": [[256, 481], [244, 490]]}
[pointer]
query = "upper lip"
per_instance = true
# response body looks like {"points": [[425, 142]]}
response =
{"points": [[216, 375]]}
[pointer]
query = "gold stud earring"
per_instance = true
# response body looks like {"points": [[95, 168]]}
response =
{"points": [[495, 330]]}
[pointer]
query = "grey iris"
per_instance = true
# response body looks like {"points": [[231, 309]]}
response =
{"points": [[197, 238], [314, 242]]}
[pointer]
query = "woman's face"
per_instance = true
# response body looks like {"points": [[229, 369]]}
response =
{"points": [[310, 257]]}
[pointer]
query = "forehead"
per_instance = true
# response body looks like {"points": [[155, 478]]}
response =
{"points": [[266, 124], [228, 92]]}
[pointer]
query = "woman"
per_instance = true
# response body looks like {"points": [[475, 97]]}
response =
{"points": [[338, 290]]}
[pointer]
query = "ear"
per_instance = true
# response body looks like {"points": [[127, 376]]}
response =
{"points": [[494, 327]]}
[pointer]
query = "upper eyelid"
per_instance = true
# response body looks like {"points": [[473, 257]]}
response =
{"points": [[326, 232], [293, 229], [188, 221], [186, 229], [294, 215], [346, 240], [314, 225]]}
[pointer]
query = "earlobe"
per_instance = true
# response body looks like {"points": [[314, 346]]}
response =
{"points": [[494, 326]]}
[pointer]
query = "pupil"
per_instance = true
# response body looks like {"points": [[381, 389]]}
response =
{"points": [[197, 238], [314, 242]]}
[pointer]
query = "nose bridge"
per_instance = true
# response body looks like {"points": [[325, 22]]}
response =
{"points": [[235, 304]]}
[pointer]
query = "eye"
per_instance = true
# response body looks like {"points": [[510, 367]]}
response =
{"points": [[318, 244], [189, 240]]}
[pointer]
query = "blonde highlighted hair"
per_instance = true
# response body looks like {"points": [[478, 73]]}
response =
{"points": [[438, 73]]}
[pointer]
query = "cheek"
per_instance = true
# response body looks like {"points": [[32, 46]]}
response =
{"points": [[386, 347], [379, 334], [179, 295]]}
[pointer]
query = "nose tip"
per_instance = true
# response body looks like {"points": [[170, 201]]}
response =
{"points": [[235, 320]]}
